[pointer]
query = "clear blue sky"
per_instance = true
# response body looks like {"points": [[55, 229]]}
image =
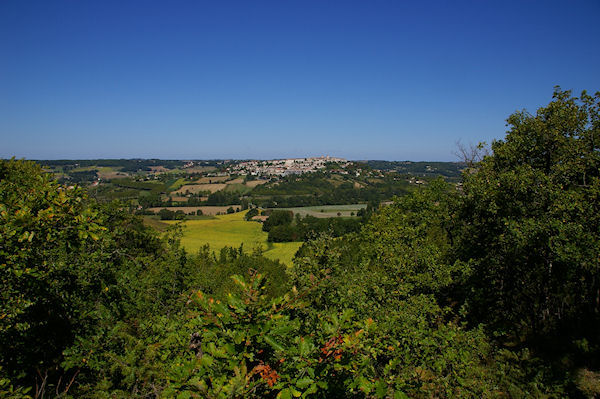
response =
{"points": [[362, 79]]}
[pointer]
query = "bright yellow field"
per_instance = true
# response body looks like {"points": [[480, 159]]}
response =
{"points": [[232, 230]]}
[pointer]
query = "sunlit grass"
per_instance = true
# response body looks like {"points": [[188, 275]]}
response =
{"points": [[232, 231]]}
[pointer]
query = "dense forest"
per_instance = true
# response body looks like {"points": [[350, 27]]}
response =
{"points": [[488, 289]]}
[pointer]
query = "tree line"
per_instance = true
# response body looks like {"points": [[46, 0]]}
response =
{"points": [[282, 226]]}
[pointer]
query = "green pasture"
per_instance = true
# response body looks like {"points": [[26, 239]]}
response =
{"points": [[155, 223], [327, 211], [238, 187], [177, 184], [84, 168], [100, 169], [232, 231]]}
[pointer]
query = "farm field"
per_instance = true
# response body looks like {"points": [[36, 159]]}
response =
{"points": [[104, 172], [212, 179], [158, 169], [177, 184], [238, 180], [214, 184], [254, 183], [199, 169], [196, 188], [158, 225], [232, 230], [238, 187], [179, 199], [328, 211]]}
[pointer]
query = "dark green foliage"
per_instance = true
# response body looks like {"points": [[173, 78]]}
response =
{"points": [[87, 176], [397, 273], [321, 188], [251, 213], [84, 286], [153, 187], [167, 214], [250, 346], [277, 218], [213, 271], [530, 222], [450, 170], [309, 227], [223, 198], [59, 256], [46, 232], [282, 233]]}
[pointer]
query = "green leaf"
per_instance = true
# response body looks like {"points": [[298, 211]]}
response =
{"points": [[184, 395], [235, 302], [365, 385], [304, 382], [305, 346], [381, 389], [206, 361], [400, 395], [274, 344], [311, 389]]}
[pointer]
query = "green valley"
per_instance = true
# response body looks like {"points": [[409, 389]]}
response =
{"points": [[234, 231]]}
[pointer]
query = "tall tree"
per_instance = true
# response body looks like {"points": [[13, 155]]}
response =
{"points": [[531, 221]]}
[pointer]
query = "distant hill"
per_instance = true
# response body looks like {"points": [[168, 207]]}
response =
{"points": [[422, 168]]}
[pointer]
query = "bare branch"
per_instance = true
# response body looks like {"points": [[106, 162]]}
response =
{"points": [[471, 154]]}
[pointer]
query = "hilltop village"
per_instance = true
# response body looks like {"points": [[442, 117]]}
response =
{"points": [[284, 167]]}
